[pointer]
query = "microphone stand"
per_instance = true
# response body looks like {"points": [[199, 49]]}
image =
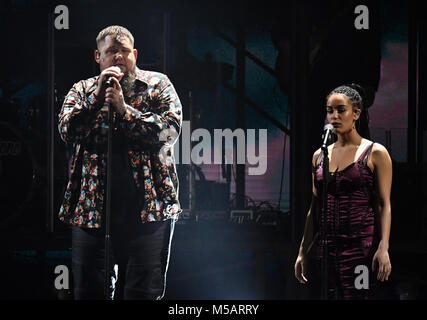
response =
{"points": [[323, 229], [107, 279]]}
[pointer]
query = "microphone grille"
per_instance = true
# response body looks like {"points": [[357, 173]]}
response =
{"points": [[328, 127]]}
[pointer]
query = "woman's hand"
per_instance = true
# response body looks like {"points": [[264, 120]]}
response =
{"points": [[382, 260], [300, 269]]}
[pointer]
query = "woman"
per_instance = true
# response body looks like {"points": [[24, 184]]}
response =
{"points": [[358, 209]]}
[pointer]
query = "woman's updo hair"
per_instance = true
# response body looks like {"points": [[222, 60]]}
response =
{"points": [[357, 96]]}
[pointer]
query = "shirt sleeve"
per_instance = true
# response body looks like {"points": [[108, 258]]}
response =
{"points": [[161, 125], [74, 118]]}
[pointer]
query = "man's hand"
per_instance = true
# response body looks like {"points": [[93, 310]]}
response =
{"points": [[114, 72], [114, 95]]}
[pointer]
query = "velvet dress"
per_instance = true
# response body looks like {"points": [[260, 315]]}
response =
{"points": [[352, 234]]}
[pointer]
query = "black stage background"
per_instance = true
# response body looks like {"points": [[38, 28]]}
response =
{"points": [[235, 64]]}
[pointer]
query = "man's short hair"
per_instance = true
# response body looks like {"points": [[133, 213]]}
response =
{"points": [[118, 31]]}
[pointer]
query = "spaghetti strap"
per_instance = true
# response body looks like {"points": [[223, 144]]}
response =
{"points": [[365, 155]]}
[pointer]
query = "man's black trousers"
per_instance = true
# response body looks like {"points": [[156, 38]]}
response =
{"points": [[139, 260]]}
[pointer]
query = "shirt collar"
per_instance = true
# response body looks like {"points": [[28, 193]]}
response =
{"points": [[141, 75]]}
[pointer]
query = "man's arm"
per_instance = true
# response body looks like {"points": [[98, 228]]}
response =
{"points": [[74, 119], [80, 114], [161, 125]]}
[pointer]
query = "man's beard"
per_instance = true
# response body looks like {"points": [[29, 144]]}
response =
{"points": [[128, 82]]}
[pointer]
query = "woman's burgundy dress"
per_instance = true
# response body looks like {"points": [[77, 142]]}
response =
{"points": [[352, 235]]}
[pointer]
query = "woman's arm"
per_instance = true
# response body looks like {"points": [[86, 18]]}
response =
{"points": [[309, 223], [383, 168], [307, 238]]}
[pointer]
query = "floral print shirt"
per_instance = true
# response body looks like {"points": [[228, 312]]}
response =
{"points": [[151, 125]]}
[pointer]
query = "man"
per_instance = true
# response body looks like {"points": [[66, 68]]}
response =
{"points": [[147, 117]]}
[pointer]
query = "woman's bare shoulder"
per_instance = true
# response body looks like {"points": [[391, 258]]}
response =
{"points": [[379, 152], [316, 154], [379, 148]]}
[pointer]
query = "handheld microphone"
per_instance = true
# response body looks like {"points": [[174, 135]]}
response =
{"points": [[109, 82], [327, 133]]}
